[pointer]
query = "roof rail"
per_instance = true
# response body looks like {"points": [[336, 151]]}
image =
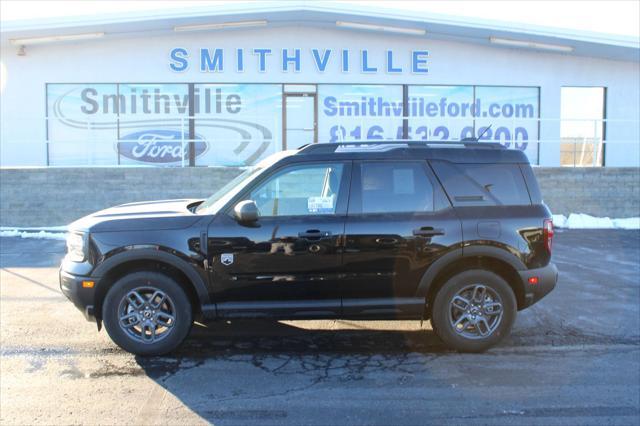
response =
{"points": [[387, 145]]}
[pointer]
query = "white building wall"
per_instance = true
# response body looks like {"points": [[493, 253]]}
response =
{"points": [[146, 59]]}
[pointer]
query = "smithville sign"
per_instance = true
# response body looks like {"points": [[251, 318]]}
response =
{"points": [[287, 60]]}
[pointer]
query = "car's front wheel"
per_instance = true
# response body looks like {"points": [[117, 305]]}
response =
{"points": [[147, 313], [473, 311]]}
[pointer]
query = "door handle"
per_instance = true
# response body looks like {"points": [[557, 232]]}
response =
{"points": [[387, 241], [314, 234], [428, 231]]}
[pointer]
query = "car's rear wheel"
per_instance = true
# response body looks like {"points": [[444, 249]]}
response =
{"points": [[473, 311], [147, 313]]}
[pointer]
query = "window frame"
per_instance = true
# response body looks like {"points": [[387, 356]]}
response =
{"points": [[440, 201], [343, 192], [602, 152]]}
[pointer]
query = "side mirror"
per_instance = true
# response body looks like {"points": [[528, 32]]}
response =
{"points": [[246, 211]]}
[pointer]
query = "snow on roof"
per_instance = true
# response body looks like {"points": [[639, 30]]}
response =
{"points": [[280, 13]]}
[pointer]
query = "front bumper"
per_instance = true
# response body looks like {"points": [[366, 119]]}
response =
{"points": [[83, 298], [547, 279]]}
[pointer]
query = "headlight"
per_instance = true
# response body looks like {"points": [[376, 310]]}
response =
{"points": [[76, 247]]}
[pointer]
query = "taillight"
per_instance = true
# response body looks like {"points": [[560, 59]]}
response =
{"points": [[547, 229]]}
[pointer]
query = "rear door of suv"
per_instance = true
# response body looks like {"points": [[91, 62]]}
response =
{"points": [[399, 222]]}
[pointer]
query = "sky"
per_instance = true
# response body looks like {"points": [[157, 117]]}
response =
{"points": [[621, 17]]}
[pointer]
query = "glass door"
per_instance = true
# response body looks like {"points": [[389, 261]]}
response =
{"points": [[300, 120]]}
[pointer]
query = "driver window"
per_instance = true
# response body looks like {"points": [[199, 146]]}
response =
{"points": [[300, 190]]}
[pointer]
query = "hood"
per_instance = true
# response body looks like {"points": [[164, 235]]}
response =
{"points": [[149, 215]]}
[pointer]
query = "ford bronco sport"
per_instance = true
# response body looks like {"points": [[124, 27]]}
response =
{"points": [[456, 233]]}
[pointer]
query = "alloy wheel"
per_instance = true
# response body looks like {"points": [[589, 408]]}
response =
{"points": [[475, 312], [146, 314]]}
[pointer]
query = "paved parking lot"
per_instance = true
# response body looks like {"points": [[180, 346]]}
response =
{"points": [[572, 359]]}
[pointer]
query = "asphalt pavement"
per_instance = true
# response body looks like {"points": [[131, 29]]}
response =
{"points": [[574, 358]]}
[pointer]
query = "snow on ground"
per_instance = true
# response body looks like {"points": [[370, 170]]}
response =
{"points": [[41, 235], [37, 228], [574, 221], [584, 221]]}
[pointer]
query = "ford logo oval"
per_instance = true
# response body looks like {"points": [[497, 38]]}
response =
{"points": [[160, 146]]}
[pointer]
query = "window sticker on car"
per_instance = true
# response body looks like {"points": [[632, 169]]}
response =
{"points": [[320, 204]]}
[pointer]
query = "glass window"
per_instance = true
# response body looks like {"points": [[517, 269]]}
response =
{"points": [[482, 184], [300, 120], [502, 181], [111, 124], [153, 124], [300, 190], [440, 113], [82, 124], [581, 128], [354, 112], [237, 124], [508, 115], [512, 113], [395, 187]]}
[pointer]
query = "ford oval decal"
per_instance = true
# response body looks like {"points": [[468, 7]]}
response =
{"points": [[160, 146]]}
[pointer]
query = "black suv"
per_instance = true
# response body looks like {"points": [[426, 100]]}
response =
{"points": [[454, 233]]}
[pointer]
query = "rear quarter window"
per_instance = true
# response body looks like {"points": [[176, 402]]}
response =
{"points": [[394, 187], [482, 184]]}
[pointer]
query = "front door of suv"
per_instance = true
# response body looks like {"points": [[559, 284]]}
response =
{"points": [[288, 262], [399, 222]]}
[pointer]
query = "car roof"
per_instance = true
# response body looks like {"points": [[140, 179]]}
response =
{"points": [[457, 152]]}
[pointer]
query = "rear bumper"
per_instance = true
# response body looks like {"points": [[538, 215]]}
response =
{"points": [[547, 279], [82, 298]]}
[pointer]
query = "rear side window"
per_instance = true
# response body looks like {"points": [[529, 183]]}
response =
{"points": [[482, 184], [395, 187]]}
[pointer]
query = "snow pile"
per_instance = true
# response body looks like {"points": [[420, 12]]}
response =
{"points": [[627, 223], [584, 221], [41, 233]]}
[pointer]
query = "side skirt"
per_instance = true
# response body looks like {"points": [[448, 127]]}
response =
{"points": [[380, 308], [384, 308]]}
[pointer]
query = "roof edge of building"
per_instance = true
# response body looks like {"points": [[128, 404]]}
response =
{"points": [[274, 8]]}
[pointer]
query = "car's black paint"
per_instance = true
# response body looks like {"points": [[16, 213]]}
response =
{"points": [[144, 216], [350, 264], [273, 262]]}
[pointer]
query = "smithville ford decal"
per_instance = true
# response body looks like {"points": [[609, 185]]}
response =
{"points": [[159, 146], [152, 121]]}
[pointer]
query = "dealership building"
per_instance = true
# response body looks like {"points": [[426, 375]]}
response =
{"points": [[221, 88]]}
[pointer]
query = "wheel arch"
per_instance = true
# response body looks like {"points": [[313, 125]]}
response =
{"points": [[135, 260], [495, 260]]}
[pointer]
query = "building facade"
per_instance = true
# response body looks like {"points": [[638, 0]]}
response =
{"points": [[227, 87]]}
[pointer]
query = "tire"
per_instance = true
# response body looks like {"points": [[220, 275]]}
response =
{"points": [[147, 328], [482, 327]]}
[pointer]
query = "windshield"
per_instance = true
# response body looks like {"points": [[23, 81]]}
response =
{"points": [[212, 204], [222, 196]]}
